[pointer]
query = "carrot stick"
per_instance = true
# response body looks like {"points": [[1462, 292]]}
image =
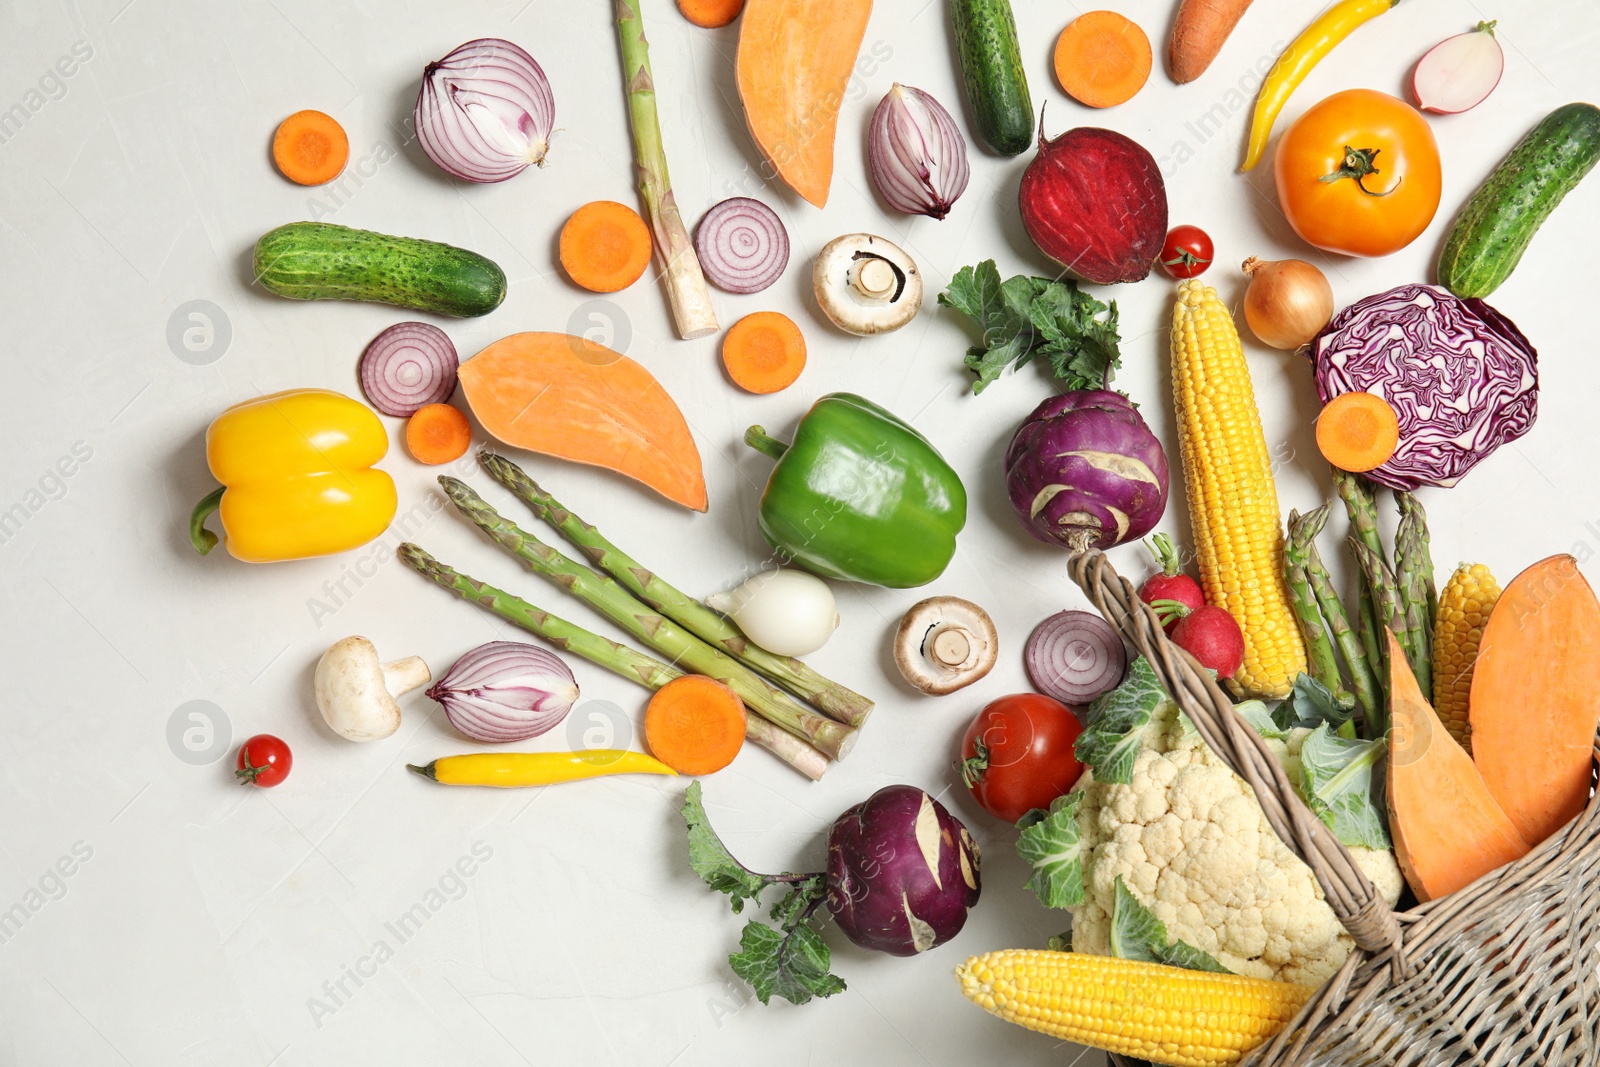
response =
{"points": [[764, 352], [1199, 31], [438, 434], [710, 13], [695, 724], [1358, 432], [1102, 59], [310, 148], [605, 246]]}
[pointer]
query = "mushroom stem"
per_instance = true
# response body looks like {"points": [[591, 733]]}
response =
{"points": [[949, 646], [404, 675], [873, 277]]}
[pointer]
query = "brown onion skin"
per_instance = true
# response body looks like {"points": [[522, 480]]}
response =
{"points": [[1288, 303], [1094, 201]]}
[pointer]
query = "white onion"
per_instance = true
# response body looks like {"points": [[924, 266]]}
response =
{"points": [[916, 154], [788, 613], [506, 691], [485, 111]]}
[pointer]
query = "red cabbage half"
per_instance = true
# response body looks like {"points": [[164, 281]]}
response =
{"points": [[1460, 375]]}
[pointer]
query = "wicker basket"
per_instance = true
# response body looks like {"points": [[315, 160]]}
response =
{"points": [[1500, 973]]}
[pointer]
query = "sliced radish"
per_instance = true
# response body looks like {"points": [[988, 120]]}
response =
{"points": [[1459, 72]]}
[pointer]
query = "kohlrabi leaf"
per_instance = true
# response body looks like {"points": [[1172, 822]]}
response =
{"points": [[1336, 778], [1260, 719], [1136, 934], [1110, 743], [712, 861], [792, 964], [1310, 704], [1049, 843]]}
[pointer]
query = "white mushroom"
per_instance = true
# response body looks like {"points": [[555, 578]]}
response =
{"points": [[866, 284], [945, 643], [356, 692]]}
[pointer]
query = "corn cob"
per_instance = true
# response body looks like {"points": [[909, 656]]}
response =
{"points": [[1146, 1010], [1464, 607], [1233, 501]]}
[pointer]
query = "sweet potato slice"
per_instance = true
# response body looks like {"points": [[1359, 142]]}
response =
{"points": [[1535, 699], [568, 397], [1447, 829]]}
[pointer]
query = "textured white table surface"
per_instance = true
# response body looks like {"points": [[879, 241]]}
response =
{"points": [[206, 923]]}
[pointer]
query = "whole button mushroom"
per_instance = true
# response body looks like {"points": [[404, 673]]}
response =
{"points": [[356, 691], [945, 643], [866, 285]]}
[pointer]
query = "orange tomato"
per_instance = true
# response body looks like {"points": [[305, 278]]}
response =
{"points": [[1359, 174]]}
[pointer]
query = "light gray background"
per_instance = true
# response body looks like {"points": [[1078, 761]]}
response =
{"points": [[201, 919]]}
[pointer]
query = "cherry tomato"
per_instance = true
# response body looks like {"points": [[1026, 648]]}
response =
{"points": [[1359, 174], [1017, 754], [1187, 252], [264, 760]]}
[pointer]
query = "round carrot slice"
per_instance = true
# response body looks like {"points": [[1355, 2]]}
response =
{"points": [[695, 725], [1102, 59], [764, 352], [438, 433], [310, 148], [605, 246], [1358, 432]]}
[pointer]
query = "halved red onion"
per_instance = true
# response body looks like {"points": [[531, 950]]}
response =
{"points": [[1074, 656], [742, 245], [916, 154], [485, 111], [407, 367], [506, 691]]}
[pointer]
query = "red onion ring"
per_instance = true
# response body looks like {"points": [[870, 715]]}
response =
{"points": [[1074, 656], [485, 111], [407, 367], [742, 245]]}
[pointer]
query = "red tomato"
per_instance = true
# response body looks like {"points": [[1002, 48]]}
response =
{"points": [[1017, 754], [264, 760], [1187, 253]]}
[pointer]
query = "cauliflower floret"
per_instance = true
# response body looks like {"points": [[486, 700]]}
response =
{"points": [[1191, 842]]}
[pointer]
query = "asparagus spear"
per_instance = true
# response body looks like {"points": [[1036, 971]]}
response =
{"points": [[654, 629], [1360, 669], [1409, 554], [1385, 595], [686, 285], [838, 702], [617, 658], [1356, 492], [1430, 592], [1319, 649]]}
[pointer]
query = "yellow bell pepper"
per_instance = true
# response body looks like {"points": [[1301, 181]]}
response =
{"points": [[297, 477]]}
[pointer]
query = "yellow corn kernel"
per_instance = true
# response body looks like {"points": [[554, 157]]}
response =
{"points": [[1464, 606], [1149, 1011], [1233, 500]]}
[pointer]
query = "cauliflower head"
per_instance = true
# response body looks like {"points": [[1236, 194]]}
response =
{"points": [[1189, 839]]}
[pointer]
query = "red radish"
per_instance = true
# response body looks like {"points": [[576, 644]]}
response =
{"points": [[1208, 634], [1171, 584], [1093, 201], [1459, 72]]}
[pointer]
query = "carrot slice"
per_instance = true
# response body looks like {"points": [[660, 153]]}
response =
{"points": [[711, 13], [695, 725], [605, 246], [438, 434], [764, 352], [1102, 59], [1358, 431], [310, 148]]}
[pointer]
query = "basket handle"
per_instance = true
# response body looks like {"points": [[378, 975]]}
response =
{"points": [[1349, 892]]}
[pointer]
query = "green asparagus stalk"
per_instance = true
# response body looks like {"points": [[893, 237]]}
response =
{"points": [[832, 698], [1367, 694], [1356, 492], [1409, 504], [1319, 648], [651, 627], [1409, 552], [1385, 592], [686, 285], [617, 658]]}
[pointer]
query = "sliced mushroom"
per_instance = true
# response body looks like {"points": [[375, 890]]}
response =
{"points": [[866, 285], [356, 691], [945, 643]]}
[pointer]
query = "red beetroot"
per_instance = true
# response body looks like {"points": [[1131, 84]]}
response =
{"points": [[1171, 584], [1211, 636], [1093, 200]]}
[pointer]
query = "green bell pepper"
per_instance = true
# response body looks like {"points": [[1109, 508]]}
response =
{"points": [[860, 495]]}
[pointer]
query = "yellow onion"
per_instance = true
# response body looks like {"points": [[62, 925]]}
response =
{"points": [[1288, 303]]}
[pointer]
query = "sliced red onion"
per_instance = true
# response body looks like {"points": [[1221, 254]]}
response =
{"points": [[485, 111], [916, 153], [407, 367], [742, 245], [506, 691], [1074, 656]]}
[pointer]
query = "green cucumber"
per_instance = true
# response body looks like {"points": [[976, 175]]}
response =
{"points": [[991, 66], [1493, 230], [321, 261]]}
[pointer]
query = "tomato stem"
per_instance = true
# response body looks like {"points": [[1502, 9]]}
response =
{"points": [[249, 773], [976, 765], [1359, 164]]}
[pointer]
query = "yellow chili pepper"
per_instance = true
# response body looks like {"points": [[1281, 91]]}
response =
{"points": [[510, 769], [1298, 60], [297, 477]]}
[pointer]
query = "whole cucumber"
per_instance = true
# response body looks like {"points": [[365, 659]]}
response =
{"points": [[1493, 230], [321, 261], [991, 67]]}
